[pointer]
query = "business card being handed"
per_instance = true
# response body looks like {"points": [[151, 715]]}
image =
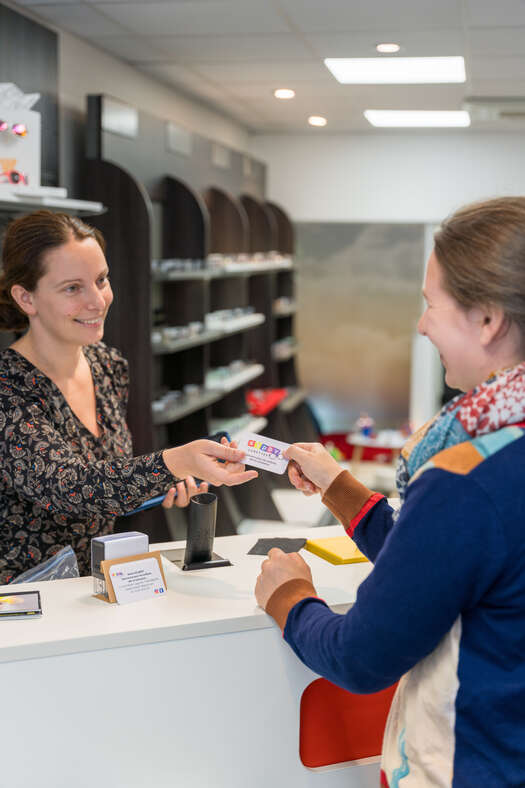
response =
{"points": [[264, 453]]}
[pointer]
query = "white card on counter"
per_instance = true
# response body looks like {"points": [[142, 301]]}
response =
{"points": [[264, 453], [136, 580]]}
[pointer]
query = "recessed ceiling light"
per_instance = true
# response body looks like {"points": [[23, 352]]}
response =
{"points": [[417, 118], [388, 49], [317, 120], [284, 93], [396, 70]]}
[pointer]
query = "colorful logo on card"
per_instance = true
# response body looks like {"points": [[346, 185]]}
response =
{"points": [[159, 590], [264, 447]]}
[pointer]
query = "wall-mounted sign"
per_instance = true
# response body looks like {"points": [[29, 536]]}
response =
{"points": [[220, 156], [119, 117], [178, 140]]}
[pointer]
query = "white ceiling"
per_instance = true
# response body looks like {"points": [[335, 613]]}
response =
{"points": [[232, 54]]}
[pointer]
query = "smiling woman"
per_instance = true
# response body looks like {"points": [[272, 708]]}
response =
{"points": [[443, 611], [66, 461]]}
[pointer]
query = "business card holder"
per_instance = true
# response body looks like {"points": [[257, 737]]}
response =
{"points": [[176, 556], [198, 553]]}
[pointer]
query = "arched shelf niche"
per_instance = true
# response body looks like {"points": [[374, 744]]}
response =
{"points": [[127, 230], [285, 230], [229, 227], [185, 221], [262, 225]]}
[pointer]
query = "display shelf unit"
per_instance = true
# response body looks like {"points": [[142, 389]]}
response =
{"points": [[236, 427], [191, 405], [184, 344], [189, 295], [285, 230], [284, 311], [207, 336], [230, 253], [280, 353], [229, 226], [241, 268], [12, 204], [230, 287], [292, 420], [262, 225]]}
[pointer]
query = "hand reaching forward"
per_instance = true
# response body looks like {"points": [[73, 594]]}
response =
{"points": [[277, 569], [312, 469], [201, 458]]}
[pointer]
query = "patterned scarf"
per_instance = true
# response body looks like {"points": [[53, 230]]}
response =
{"points": [[494, 404]]}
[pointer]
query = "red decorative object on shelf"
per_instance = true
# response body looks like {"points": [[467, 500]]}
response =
{"points": [[348, 450], [262, 401]]}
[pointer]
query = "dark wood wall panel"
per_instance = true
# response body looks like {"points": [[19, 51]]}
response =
{"points": [[128, 323], [229, 228], [185, 221], [29, 58], [147, 156], [263, 235]]}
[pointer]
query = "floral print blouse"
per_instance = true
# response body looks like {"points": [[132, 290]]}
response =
{"points": [[59, 484]]}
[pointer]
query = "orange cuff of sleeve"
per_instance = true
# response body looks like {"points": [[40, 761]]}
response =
{"points": [[286, 596], [349, 500]]}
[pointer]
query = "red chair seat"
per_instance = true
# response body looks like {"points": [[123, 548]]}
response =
{"points": [[338, 726]]}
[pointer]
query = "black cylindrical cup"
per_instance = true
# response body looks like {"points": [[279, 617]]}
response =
{"points": [[201, 528]]}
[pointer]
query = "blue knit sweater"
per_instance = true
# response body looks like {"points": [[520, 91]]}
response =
{"points": [[444, 608]]}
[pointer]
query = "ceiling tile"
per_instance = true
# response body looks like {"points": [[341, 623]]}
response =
{"points": [[379, 97], [203, 3], [179, 74], [212, 18], [268, 73], [131, 48], [27, 3], [231, 54], [499, 41], [80, 19], [487, 13], [429, 43], [339, 15], [498, 88], [232, 49], [510, 68]]}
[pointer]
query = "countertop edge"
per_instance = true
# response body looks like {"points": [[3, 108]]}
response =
{"points": [[79, 645]]}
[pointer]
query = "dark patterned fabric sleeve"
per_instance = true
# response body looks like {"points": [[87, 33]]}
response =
{"points": [[42, 468], [116, 371]]}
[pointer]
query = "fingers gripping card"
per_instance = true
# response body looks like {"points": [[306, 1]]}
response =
{"points": [[264, 453]]}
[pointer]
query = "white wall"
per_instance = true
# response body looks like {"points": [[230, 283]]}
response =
{"points": [[392, 177], [388, 176]]}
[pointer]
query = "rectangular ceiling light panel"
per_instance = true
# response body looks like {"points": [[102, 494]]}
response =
{"points": [[417, 118], [396, 70]]}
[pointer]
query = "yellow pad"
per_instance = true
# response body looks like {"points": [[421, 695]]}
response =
{"points": [[336, 550]]}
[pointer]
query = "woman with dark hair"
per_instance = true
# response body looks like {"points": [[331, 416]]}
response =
{"points": [[443, 611], [66, 464]]}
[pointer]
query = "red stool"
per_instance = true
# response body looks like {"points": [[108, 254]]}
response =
{"points": [[337, 726]]}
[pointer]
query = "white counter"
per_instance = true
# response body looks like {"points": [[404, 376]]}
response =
{"points": [[196, 687]]}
